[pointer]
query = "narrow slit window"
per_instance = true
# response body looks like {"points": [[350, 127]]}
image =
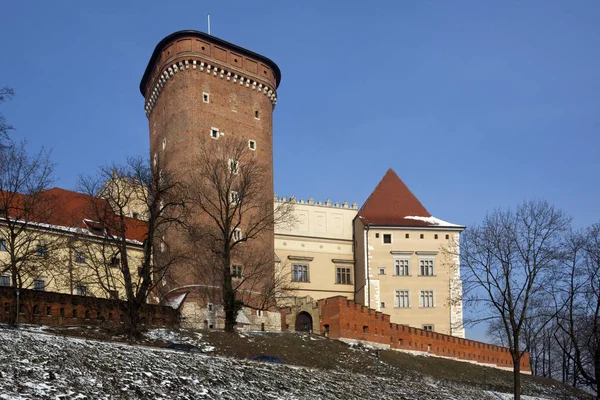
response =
{"points": [[252, 145], [206, 97], [214, 133], [257, 114]]}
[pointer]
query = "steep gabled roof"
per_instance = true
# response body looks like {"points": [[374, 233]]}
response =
{"points": [[393, 204]]}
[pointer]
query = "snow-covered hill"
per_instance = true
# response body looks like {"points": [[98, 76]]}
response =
{"points": [[38, 365]]}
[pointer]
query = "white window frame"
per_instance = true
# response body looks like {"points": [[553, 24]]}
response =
{"points": [[256, 112], [237, 235], [234, 197], [252, 144], [430, 304], [206, 97], [429, 269], [381, 271], [214, 133], [234, 166], [398, 263], [397, 296]]}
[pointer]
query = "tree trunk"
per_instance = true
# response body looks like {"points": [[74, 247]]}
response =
{"points": [[597, 372], [229, 303], [517, 377]]}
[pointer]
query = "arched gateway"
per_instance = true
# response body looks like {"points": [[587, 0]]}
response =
{"points": [[303, 322]]}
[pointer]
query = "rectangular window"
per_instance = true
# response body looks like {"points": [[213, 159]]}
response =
{"points": [[4, 280], [387, 238], [236, 235], [205, 97], [426, 299], [402, 300], [79, 257], [39, 284], [214, 133], [234, 166], [115, 262], [382, 305], [236, 271], [234, 197], [401, 267], [428, 328], [252, 144], [342, 276], [426, 266], [81, 290], [381, 271], [41, 251], [299, 273], [113, 294], [2, 244]]}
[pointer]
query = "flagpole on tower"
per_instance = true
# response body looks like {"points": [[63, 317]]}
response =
{"points": [[209, 23]]}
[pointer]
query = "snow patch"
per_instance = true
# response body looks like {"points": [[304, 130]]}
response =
{"points": [[433, 221]]}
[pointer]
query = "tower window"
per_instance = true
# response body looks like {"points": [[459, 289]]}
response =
{"points": [[256, 114], [206, 97], [252, 144], [214, 133], [234, 166]]}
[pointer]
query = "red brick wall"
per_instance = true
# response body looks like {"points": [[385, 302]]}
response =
{"points": [[343, 318], [48, 308]]}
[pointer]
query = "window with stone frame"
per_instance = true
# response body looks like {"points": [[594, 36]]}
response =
{"points": [[426, 266], [427, 299], [343, 275], [402, 299], [299, 272], [4, 280], [402, 266]]}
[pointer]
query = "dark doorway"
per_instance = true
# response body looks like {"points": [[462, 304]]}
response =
{"points": [[303, 322]]}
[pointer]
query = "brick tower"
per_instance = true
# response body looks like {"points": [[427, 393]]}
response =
{"points": [[199, 88]]}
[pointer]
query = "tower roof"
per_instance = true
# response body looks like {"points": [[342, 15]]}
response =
{"points": [[210, 38], [393, 204]]}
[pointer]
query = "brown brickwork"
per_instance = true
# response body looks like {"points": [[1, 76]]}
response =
{"points": [[195, 82], [343, 318], [48, 308]]}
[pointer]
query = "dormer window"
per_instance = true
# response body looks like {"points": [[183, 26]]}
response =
{"points": [[94, 227]]}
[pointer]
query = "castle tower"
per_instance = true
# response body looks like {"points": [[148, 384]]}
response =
{"points": [[197, 89]]}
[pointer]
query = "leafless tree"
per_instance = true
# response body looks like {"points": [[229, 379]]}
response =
{"points": [[230, 234], [114, 193], [580, 294], [25, 210], [5, 94], [508, 261]]}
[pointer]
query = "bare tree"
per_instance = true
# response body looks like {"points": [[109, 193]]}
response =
{"points": [[580, 294], [508, 261], [5, 94], [230, 235], [25, 210], [114, 193]]}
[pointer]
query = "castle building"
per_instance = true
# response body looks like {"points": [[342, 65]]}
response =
{"points": [[391, 255]]}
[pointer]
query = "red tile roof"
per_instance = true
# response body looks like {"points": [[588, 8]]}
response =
{"points": [[68, 209], [392, 201]]}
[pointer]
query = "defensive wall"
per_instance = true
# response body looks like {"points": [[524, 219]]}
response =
{"points": [[344, 319], [49, 308]]}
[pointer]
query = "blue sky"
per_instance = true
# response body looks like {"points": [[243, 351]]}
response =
{"points": [[474, 104]]}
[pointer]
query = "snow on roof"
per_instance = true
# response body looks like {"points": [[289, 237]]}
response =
{"points": [[433, 221], [175, 302], [241, 318]]}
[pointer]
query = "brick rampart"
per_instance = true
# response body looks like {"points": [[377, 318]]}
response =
{"points": [[344, 319], [49, 308]]}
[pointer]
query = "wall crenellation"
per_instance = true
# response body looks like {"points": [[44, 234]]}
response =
{"points": [[344, 319], [222, 73], [311, 201]]}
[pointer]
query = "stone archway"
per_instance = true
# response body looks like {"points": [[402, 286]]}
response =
{"points": [[304, 322]]}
